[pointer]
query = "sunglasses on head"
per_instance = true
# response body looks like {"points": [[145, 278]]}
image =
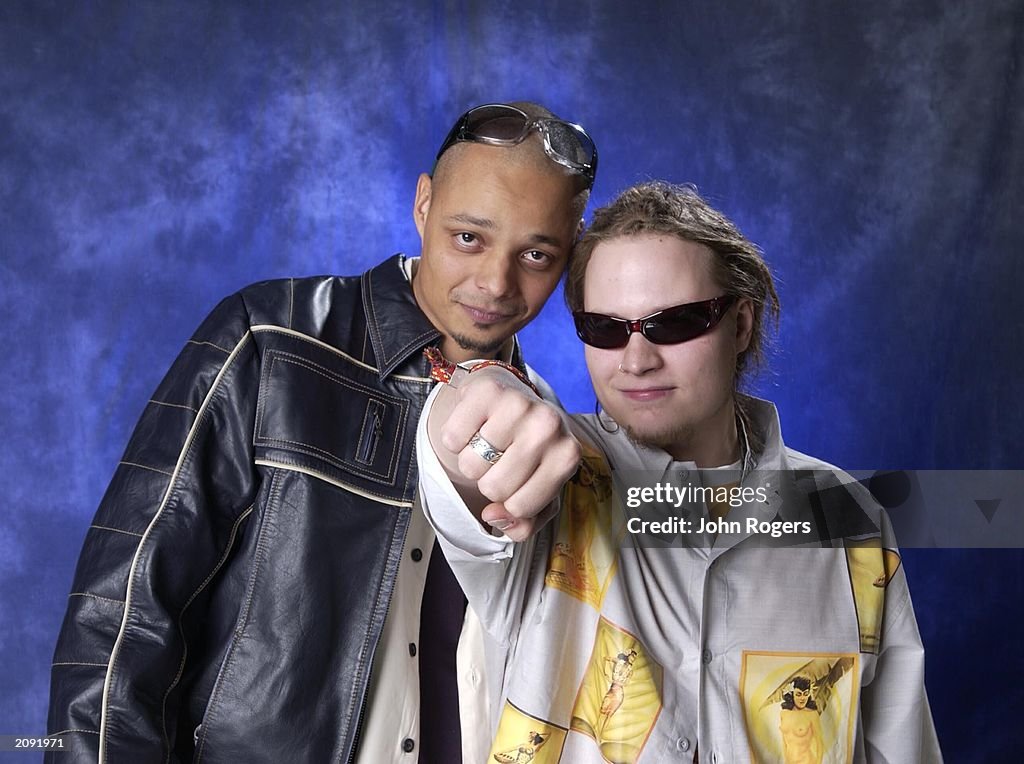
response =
{"points": [[499, 125], [670, 326]]}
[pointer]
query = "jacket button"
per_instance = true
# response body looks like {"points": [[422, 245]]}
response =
{"points": [[417, 555], [408, 744], [412, 649]]}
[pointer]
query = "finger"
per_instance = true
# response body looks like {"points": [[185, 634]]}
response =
{"points": [[473, 461], [495, 516], [478, 401], [516, 529], [546, 482], [508, 475], [521, 531], [507, 424], [537, 436]]}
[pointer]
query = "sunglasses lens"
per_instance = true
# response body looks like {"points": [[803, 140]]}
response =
{"points": [[496, 122], [600, 331], [570, 143], [679, 324]]}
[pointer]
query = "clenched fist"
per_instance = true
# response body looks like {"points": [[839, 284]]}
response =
{"points": [[507, 451]]}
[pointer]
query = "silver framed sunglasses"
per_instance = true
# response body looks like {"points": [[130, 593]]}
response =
{"points": [[501, 125]]}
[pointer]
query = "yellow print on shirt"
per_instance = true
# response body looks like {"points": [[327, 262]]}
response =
{"points": [[525, 739], [871, 569], [800, 708], [620, 696], [583, 557]]}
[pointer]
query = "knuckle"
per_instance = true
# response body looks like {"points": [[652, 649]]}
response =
{"points": [[519, 508], [514, 403], [523, 529], [483, 388], [569, 454], [449, 439], [492, 487], [548, 419]]}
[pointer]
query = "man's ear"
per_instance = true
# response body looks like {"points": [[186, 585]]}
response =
{"points": [[744, 324], [421, 205], [579, 230]]}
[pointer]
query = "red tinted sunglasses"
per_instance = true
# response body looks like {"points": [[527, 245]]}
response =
{"points": [[670, 326]]}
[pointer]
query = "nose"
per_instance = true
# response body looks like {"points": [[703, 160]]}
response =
{"points": [[495, 275], [640, 355]]}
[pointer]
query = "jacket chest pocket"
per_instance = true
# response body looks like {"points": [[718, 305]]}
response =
{"points": [[334, 420]]}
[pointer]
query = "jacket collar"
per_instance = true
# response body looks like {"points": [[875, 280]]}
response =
{"points": [[398, 328], [396, 325]]}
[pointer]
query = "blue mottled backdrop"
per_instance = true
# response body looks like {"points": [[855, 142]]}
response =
{"points": [[156, 156]]}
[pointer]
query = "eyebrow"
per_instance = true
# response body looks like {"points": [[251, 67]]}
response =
{"points": [[470, 220], [490, 225]]}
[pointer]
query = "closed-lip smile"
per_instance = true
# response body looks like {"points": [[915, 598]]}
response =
{"points": [[645, 393], [481, 316]]}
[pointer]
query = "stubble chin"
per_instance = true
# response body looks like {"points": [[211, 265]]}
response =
{"points": [[665, 438], [481, 346]]}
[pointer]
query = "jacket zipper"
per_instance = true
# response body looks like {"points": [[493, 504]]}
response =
{"points": [[368, 443]]}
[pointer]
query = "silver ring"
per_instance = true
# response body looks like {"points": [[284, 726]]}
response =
{"points": [[484, 450]]}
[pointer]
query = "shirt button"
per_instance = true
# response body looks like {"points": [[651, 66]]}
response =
{"points": [[412, 649], [682, 744], [706, 656], [408, 744], [417, 555]]}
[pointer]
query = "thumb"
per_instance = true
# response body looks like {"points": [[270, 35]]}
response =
{"points": [[516, 528]]}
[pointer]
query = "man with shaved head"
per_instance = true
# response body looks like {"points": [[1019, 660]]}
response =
{"points": [[259, 583]]}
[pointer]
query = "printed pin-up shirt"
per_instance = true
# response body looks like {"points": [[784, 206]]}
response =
{"points": [[611, 649]]}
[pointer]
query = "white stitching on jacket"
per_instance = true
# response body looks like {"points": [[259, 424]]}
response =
{"points": [[138, 550], [321, 476], [336, 351], [145, 467], [174, 405], [203, 342], [115, 530], [95, 596]]}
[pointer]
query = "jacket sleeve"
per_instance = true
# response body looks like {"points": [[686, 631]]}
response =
{"points": [[166, 525]]}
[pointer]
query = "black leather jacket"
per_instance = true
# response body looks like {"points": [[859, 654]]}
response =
{"points": [[232, 588]]}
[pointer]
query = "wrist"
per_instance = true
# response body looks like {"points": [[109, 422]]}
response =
{"points": [[443, 370]]}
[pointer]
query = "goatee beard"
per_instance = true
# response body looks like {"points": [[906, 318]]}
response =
{"points": [[667, 440], [483, 348]]}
